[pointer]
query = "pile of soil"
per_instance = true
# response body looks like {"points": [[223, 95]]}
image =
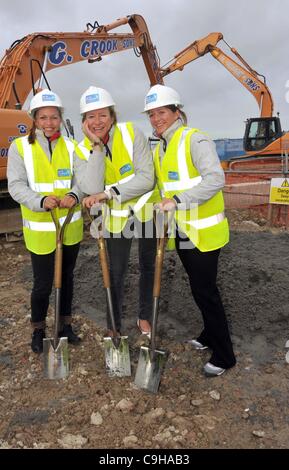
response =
{"points": [[247, 407]]}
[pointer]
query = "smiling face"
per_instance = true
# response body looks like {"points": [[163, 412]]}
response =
{"points": [[99, 121], [162, 118], [48, 119]]}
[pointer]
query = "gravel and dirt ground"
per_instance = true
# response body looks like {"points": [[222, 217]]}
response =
{"points": [[246, 408]]}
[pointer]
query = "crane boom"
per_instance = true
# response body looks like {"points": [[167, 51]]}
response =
{"points": [[248, 77], [26, 62], [27, 56]]}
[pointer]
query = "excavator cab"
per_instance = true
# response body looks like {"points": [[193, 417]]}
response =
{"points": [[260, 132]]}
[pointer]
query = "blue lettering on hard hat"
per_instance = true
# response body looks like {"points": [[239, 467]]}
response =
{"points": [[57, 53], [92, 98], [48, 98], [125, 168], [173, 175], [63, 172], [151, 98]]}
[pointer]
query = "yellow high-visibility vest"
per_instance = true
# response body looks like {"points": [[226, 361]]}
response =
{"points": [[120, 170], [48, 178], [205, 224]]}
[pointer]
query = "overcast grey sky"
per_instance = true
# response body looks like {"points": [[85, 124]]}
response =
{"points": [[214, 100]]}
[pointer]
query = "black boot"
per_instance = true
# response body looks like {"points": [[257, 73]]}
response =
{"points": [[71, 336], [37, 340]]}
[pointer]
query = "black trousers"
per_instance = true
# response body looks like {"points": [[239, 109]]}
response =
{"points": [[43, 276], [201, 268], [118, 252]]}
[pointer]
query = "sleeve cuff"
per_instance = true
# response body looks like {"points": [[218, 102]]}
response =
{"points": [[178, 201], [42, 202], [115, 193], [73, 195]]}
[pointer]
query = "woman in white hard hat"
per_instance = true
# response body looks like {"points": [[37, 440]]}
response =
{"points": [[119, 170], [40, 178], [190, 179]]}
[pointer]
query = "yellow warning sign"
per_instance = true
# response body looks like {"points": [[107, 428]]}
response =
{"points": [[279, 191]]}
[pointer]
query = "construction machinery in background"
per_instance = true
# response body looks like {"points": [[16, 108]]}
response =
{"points": [[266, 145], [264, 141], [24, 66], [26, 62]]}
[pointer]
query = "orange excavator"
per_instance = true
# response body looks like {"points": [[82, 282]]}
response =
{"points": [[264, 141], [26, 62]]}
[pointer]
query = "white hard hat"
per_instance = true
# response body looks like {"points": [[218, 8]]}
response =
{"points": [[95, 98], [44, 98], [161, 95]]}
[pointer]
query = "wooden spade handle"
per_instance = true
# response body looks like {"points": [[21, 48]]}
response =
{"points": [[159, 266], [104, 262], [59, 249], [58, 265]]}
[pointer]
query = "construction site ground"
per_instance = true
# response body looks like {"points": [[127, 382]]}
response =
{"points": [[246, 408]]}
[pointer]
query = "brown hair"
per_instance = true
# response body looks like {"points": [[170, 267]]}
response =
{"points": [[32, 133], [111, 112], [174, 109]]}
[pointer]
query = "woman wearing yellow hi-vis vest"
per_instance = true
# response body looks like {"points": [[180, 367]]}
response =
{"points": [[190, 179], [40, 179], [116, 166]]}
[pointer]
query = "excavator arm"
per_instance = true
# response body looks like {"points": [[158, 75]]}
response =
{"points": [[24, 62], [248, 77]]}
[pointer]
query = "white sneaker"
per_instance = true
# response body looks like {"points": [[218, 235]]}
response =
{"points": [[212, 371], [197, 345]]}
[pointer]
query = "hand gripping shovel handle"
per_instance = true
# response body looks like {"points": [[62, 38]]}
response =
{"points": [[58, 265]]}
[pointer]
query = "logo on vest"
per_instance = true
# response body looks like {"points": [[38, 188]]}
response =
{"points": [[63, 172], [173, 175], [125, 168]]}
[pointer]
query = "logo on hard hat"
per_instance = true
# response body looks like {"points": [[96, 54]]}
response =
{"points": [[92, 98], [48, 98], [151, 98]]}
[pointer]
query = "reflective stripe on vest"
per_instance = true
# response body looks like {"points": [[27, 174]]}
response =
{"points": [[183, 184], [207, 221], [204, 224], [28, 162], [84, 149], [48, 226], [120, 213], [127, 140], [123, 180], [142, 201]]}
